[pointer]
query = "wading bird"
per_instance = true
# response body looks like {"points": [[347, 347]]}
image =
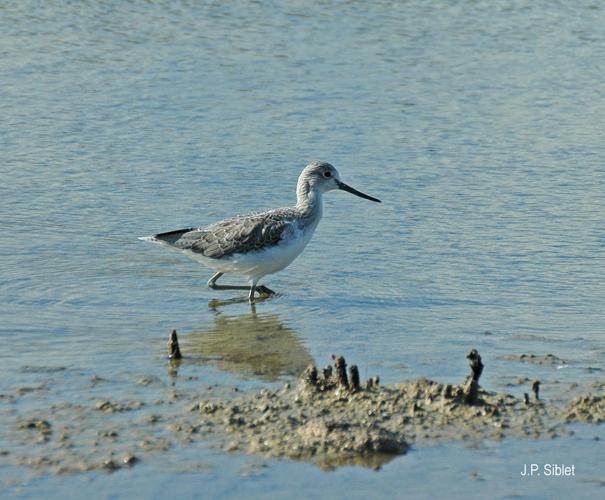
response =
{"points": [[263, 243]]}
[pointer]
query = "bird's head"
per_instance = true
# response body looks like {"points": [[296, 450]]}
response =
{"points": [[323, 177]]}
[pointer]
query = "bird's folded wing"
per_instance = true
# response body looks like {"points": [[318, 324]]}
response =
{"points": [[238, 235]]}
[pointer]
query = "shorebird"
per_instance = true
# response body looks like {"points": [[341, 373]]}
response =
{"points": [[258, 244]]}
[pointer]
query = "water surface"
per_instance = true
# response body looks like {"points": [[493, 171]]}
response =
{"points": [[480, 126]]}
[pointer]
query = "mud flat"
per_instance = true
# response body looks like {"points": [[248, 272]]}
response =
{"points": [[331, 420], [328, 417]]}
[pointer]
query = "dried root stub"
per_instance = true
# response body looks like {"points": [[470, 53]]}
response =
{"points": [[354, 372], [471, 388], [373, 382], [536, 388], [310, 375], [341, 371], [173, 346], [336, 378]]}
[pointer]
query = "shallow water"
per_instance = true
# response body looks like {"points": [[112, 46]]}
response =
{"points": [[480, 126]]}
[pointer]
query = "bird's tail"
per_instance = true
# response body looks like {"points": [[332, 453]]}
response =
{"points": [[171, 237]]}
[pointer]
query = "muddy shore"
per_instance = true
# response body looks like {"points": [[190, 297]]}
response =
{"points": [[327, 416], [331, 422]]}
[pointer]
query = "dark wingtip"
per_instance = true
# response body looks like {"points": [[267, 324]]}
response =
{"points": [[172, 237]]}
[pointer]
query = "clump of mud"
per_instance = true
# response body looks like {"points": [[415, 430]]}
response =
{"points": [[331, 420], [543, 360], [589, 408]]}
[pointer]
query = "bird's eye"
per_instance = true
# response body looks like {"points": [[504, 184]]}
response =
{"points": [[328, 174]]}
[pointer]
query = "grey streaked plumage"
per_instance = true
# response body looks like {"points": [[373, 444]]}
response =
{"points": [[240, 234]]}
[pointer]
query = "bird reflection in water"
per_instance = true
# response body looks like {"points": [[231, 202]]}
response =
{"points": [[251, 345]]}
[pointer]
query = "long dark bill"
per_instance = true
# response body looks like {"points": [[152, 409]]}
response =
{"points": [[344, 187]]}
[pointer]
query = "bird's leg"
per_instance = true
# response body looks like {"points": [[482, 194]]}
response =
{"points": [[213, 280], [212, 284], [252, 290], [262, 290]]}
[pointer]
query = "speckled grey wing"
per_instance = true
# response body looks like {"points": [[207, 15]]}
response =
{"points": [[239, 235]]}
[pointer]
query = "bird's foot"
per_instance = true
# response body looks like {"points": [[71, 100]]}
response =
{"points": [[263, 291]]}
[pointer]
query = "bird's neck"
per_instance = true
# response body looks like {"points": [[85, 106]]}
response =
{"points": [[309, 201]]}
